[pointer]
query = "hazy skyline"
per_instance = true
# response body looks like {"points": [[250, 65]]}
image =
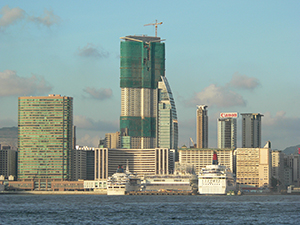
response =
{"points": [[233, 56]]}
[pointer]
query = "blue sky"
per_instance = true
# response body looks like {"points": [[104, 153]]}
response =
{"points": [[234, 56]]}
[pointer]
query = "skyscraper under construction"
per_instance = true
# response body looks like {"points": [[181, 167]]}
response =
{"points": [[148, 114]]}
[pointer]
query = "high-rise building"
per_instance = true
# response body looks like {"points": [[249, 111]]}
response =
{"points": [[143, 102], [227, 134], [202, 127], [167, 125], [8, 161], [112, 140], [251, 130], [278, 165], [292, 166], [45, 137], [78, 164], [83, 163]]}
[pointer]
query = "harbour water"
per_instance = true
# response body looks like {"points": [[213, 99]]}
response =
{"points": [[161, 209]]}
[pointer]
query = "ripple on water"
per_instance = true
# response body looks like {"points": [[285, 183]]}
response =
{"points": [[100, 209]]}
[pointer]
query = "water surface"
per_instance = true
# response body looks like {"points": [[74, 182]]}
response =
{"points": [[103, 209]]}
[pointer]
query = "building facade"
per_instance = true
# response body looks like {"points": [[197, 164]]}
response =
{"points": [[8, 161], [253, 167], [292, 164], [227, 133], [202, 126], [167, 124], [200, 158], [45, 137], [140, 161], [83, 163], [112, 140], [78, 165], [278, 165], [142, 68], [251, 130]]}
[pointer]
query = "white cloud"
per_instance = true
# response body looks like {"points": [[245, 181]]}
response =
{"points": [[48, 19], [243, 82], [12, 84], [82, 122], [100, 94], [91, 50], [270, 121], [88, 140], [281, 130], [89, 131], [10, 16], [217, 96]]}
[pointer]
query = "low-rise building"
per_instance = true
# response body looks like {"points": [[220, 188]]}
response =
{"points": [[140, 161], [202, 157]]}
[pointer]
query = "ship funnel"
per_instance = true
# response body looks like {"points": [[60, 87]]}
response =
{"points": [[215, 158]]}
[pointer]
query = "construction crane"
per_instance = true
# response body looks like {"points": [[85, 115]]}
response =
{"points": [[193, 142], [154, 24]]}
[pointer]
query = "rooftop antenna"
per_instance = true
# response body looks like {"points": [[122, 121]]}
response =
{"points": [[154, 24]]}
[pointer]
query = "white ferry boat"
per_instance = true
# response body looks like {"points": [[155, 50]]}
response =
{"points": [[122, 182], [216, 179]]}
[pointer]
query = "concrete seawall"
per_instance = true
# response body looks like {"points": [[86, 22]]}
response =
{"points": [[55, 192]]}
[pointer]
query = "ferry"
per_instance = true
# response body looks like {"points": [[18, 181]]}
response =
{"points": [[123, 182], [216, 179]]}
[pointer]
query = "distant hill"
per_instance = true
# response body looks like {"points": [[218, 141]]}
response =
{"points": [[291, 150], [9, 136]]}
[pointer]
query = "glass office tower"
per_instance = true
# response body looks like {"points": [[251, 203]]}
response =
{"points": [[167, 124], [45, 137]]}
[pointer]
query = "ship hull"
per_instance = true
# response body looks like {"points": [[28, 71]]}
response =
{"points": [[215, 180]]}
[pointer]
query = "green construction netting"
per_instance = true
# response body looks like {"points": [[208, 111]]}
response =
{"points": [[139, 127], [141, 65]]}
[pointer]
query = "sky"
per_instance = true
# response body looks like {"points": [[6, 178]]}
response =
{"points": [[233, 56]]}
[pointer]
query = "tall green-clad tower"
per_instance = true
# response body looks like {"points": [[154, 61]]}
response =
{"points": [[45, 137], [142, 68]]}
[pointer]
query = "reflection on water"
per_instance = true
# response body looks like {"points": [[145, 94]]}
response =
{"points": [[102, 209]]}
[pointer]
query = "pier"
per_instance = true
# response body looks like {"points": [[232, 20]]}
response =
{"points": [[161, 193]]}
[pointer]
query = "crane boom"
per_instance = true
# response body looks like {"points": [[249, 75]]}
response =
{"points": [[154, 24], [192, 141]]}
